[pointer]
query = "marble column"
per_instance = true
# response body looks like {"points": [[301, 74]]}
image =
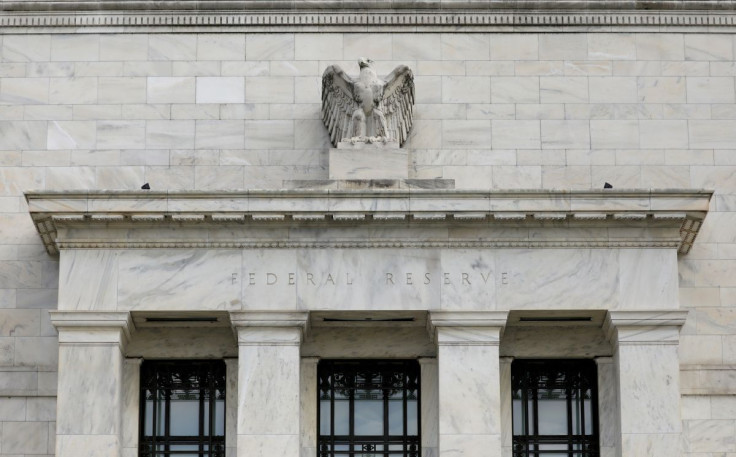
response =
{"points": [[647, 371], [309, 406], [268, 382], [429, 406], [231, 407], [131, 405], [469, 382], [90, 387], [507, 425], [607, 407]]}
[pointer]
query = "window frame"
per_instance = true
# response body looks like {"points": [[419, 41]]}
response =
{"points": [[153, 379], [326, 444], [581, 374]]}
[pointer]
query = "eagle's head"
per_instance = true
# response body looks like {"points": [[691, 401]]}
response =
{"points": [[363, 62]]}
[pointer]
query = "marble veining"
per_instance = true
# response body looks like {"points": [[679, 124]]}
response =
{"points": [[649, 389], [92, 400], [259, 376], [89, 280], [467, 374], [180, 279], [558, 279]]}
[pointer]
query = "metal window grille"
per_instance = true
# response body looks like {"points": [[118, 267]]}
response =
{"points": [[369, 408], [182, 409], [555, 408]]}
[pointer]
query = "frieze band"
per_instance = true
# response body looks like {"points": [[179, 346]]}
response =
{"points": [[144, 21]]}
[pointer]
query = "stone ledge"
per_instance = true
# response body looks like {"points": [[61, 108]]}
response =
{"points": [[408, 209], [447, 15]]}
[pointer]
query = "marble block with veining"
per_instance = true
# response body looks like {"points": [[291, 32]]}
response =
{"points": [[368, 184], [368, 161]]}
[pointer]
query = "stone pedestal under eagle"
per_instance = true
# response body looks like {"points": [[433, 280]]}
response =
{"points": [[367, 109]]}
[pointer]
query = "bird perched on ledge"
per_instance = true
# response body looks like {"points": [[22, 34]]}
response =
{"points": [[367, 109]]}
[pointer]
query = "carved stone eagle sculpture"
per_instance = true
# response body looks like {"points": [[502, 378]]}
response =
{"points": [[367, 109]]}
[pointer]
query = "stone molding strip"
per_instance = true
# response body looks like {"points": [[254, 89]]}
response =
{"points": [[382, 244], [321, 209], [381, 15]]}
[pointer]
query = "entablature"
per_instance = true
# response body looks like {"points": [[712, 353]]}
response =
{"points": [[368, 218]]}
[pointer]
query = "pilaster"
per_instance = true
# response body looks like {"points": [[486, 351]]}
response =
{"points": [[608, 411], [90, 387], [309, 424], [131, 405], [646, 367], [429, 406], [231, 410], [268, 422], [469, 380], [507, 432]]}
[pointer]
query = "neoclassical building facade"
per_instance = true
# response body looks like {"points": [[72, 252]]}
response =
{"points": [[536, 259]]}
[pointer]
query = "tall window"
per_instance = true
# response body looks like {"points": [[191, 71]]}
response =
{"points": [[182, 408], [555, 408], [369, 408]]}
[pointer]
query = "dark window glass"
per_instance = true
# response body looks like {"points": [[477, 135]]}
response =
{"points": [[182, 408], [555, 408], [369, 408]]}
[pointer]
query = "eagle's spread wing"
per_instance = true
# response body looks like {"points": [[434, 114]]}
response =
{"points": [[398, 103], [338, 103]]}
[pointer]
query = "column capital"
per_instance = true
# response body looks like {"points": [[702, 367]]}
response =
{"points": [[93, 327], [644, 327], [466, 327], [269, 327]]}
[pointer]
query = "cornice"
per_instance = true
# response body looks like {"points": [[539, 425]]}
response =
{"points": [[352, 15], [320, 210]]}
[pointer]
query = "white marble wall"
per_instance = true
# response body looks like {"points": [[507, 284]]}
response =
{"points": [[214, 111]]}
